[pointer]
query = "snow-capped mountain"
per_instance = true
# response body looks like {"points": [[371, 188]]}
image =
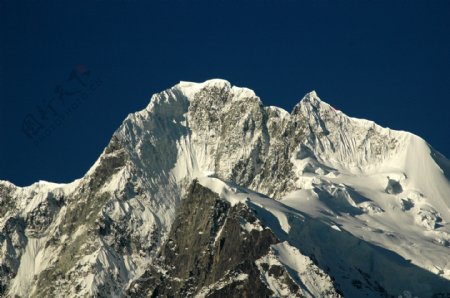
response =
{"points": [[208, 193]]}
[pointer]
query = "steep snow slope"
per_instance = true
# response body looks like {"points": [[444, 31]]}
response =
{"points": [[315, 171], [382, 185], [360, 265]]}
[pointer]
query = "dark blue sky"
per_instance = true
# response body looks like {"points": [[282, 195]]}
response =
{"points": [[388, 61]]}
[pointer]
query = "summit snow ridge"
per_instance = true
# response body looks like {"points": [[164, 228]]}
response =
{"points": [[339, 204]]}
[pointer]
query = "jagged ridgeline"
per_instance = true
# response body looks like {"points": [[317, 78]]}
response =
{"points": [[208, 193]]}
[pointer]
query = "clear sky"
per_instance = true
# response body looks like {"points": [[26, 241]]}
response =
{"points": [[70, 71]]}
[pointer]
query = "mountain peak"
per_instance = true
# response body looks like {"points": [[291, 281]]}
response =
{"points": [[191, 88], [310, 104], [312, 95], [311, 98], [234, 93], [211, 82]]}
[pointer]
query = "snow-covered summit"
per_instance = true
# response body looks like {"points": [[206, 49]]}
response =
{"points": [[311, 98], [191, 88]]}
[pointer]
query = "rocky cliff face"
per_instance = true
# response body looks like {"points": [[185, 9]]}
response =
{"points": [[206, 192], [218, 250]]}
